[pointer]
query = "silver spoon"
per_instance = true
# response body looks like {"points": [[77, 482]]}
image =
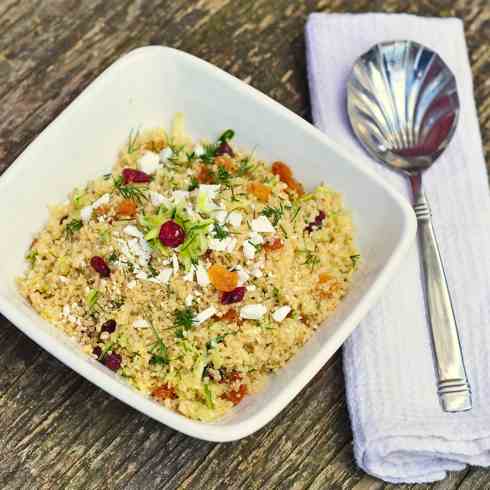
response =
{"points": [[403, 106]]}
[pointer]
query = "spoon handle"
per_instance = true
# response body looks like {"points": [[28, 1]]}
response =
{"points": [[452, 383]]}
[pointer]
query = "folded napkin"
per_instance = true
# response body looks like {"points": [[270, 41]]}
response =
{"points": [[400, 432]]}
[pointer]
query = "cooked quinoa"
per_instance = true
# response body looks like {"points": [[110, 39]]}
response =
{"points": [[193, 269]]}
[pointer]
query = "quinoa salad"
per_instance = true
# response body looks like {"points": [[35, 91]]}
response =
{"points": [[193, 269]]}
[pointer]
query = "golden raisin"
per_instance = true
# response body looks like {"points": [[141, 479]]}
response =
{"points": [[275, 244], [164, 392], [222, 279], [324, 277], [261, 191], [127, 207], [226, 162], [204, 175]]}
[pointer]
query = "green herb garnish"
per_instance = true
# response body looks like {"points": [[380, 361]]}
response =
{"points": [[244, 168], [355, 260], [72, 227], [184, 318], [311, 259], [193, 185], [274, 213], [158, 350], [211, 344], [228, 135], [113, 257], [133, 136], [220, 232], [129, 191], [222, 175], [209, 153], [209, 397]]}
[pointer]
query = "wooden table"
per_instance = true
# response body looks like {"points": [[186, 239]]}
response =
{"points": [[56, 429]]}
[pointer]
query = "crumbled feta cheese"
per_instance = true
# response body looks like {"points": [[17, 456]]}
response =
{"points": [[180, 196], [256, 272], [281, 313], [202, 276], [235, 219], [255, 238], [131, 230], [141, 323], [149, 162], [209, 189], [140, 249], [253, 312], [141, 275], [251, 287], [163, 276], [86, 213], [220, 216], [157, 199], [248, 250], [243, 275], [199, 150], [226, 245], [188, 300], [102, 201], [166, 154], [205, 315], [262, 225], [104, 335], [175, 263], [131, 284]]}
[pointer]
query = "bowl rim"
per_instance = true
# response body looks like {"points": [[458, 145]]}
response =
{"points": [[110, 382]]}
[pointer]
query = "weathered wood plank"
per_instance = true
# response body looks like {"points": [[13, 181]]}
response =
{"points": [[57, 430]]}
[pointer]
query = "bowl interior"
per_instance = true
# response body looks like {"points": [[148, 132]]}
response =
{"points": [[145, 89]]}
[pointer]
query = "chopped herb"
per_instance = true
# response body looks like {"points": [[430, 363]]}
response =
{"points": [[222, 175], [158, 350], [32, 256], [191, 157], [133, 136], [257, 246], [244, 168], [72, 227], [193, 185], [220, 232], [355, 259], [311, 259], [275, 293], [92, 299], [209, 397], [105, 236], [209, 154], [296, 211], [107, 176], [284, 231], [226, 136], [153, 271], [113, 257], [211, 344], [275, 214], [128, 191], [184, 318]]}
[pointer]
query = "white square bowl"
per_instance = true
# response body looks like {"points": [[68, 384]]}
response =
{"points": [[146, 88]]}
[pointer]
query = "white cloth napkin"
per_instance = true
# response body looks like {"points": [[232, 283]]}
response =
{"points": [[400, 432]]}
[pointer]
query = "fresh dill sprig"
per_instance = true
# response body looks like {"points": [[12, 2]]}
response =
{"points": [[244, 168], [296, 211], [220, 232], [193, 185], [92, 300], [158, 350], [113, 257], [275, 214], [311, 259], [128, 191], [209, 153], [355, 260], [184, 318], [222, 175], [73, 226]]}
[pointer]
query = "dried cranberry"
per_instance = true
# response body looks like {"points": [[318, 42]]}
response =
{"points": [[133, 175], [224, 149], [113, 361], [100, 265], [233, 296], [171, 234], [109, 326], [316, 223], [97, 351]]}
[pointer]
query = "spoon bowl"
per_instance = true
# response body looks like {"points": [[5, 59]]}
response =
{"points": [[403, 106]]}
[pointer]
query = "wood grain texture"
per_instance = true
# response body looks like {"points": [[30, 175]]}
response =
{"points": [[56, 429]]}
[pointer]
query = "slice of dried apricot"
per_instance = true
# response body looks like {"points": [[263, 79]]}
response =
{"points": [[324, 277], [261, 191], [204, 176], [285, 174], [226, 162], [222, 279], [275, 244], [236, 396]]}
